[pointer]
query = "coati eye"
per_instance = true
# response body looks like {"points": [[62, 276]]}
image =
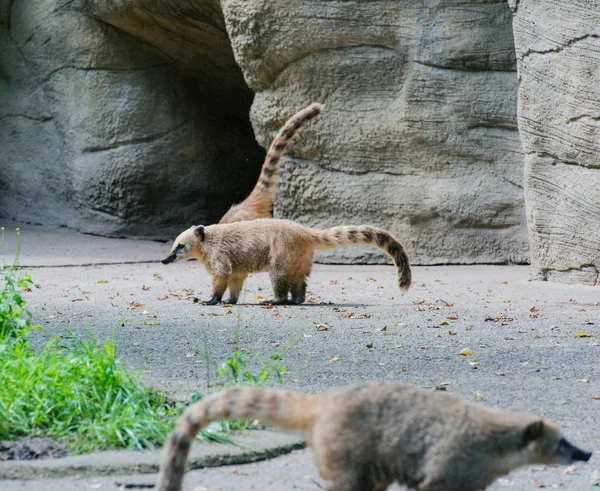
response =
{"points": [[179, 247]]}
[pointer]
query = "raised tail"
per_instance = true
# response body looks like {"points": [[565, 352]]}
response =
{"points": [[259, 202], [284, 409], [364, 234]]}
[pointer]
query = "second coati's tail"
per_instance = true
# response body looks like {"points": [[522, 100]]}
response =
{"points": [[364, 234], [284, 409], [259, 202]]}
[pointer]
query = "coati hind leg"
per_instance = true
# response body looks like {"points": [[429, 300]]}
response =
{"points": [[297, 278], [281, 286], [235, 287], [219, 286]]}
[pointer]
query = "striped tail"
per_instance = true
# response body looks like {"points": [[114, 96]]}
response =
{"points": [[259, 203], [364, 234], [284, 409]]}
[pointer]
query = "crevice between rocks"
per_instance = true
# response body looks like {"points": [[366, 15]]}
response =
{"points": [[558, 49], [548, 155]]}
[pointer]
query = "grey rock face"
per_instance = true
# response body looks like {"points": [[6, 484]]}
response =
{"points": [[101, 134], [419, 131], [142, 129], [558, 51]]}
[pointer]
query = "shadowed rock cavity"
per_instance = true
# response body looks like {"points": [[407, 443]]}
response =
{"points": [[109, 134]]}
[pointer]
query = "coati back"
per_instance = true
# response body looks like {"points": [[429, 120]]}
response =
{"points": [[368, 436], [284, 248], [259, 202]]}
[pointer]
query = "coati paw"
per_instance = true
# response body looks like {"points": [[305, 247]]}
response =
{"points": [[212, 301], [276, 302]]}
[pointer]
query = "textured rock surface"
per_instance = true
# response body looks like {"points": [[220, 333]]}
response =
{"points": [[141, 136], [558, 51], [419, 132], [100, 133]]}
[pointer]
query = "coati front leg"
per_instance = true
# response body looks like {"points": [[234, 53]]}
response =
{"points": [[235, 287], [219, 285]]}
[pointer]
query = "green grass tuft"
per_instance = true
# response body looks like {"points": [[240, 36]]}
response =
{"points": [[81, 395]]}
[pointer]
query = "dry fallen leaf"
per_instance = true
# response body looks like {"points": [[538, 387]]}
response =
{"points": [[500, 374], [258, 297], [452, 333], [333, 282], [582, 334], [538, 484], [597, 397], [145, 288], [419, 301], [334, 359], [534, 309], [452, 317], [466, 352], [136, 305], [480, 396], [581, 310], [163, 298], [323, 327]]}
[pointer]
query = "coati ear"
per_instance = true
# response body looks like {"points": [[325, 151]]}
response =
{"points": [[533, 431], [199, 232]]}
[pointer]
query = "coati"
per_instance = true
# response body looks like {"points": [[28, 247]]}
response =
{"points": [[259, 202], [367, 436], [283, 247]]}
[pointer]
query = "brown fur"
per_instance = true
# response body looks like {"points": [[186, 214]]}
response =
{"points": [[368, 436], [282, 247], [259, 203]]}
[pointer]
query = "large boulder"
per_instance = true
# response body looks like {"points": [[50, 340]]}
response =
{"points": [[558, 52], [419, 131], [142, 126], [101, 133]]}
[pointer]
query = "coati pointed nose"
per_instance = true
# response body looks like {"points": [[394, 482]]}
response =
{"points": [[581, 455], [169, 259]]}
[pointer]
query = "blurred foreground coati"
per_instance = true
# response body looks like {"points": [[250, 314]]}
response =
{"points": [[366, 437], [282, 247], [259, 202]]}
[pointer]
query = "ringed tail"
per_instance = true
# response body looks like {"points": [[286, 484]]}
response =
{"points": [[268, 173], [284, 409], [364, 234]]}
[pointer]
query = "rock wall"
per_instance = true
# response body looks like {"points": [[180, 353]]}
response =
{"points": [[102, 133], [419, 132], [131, 117], [558, 52]]}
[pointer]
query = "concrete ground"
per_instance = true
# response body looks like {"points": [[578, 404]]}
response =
{"points": [[534, 345]]}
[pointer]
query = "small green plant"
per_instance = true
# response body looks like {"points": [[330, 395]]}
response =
{"points": [[236, 369], [15, 319]]}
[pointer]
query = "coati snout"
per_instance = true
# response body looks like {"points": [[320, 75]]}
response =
{"points": [[282, 247], [569, 453], [175, 255]]}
